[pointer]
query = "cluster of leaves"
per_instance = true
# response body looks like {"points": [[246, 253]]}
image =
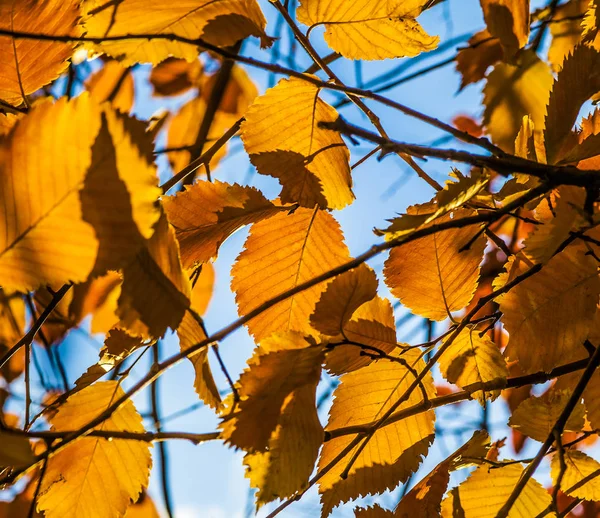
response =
{"points": [[506, 254]]}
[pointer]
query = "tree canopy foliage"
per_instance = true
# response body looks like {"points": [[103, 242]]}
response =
{"points": [[502, 261]]}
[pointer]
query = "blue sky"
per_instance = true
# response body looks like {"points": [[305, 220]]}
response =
{"points": [[208, 480]]}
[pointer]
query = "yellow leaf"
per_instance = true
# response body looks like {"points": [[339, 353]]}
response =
{"points": [[284, 140], [576, 83], [28, 64], [432, 276], [203, 284], [486, 490], [280, 253], [536, 416], [155, 293], [580, 479], [292, 451], [92, 476], [567, 210], [372, 324], [111, 78], [239, 93], [143, 508], [97, 297], [90, 204], [183, 128], [207, 213], [394, 451], [220, 23], [342, 297], [190, 333], [566, 31], [471, 359], [508, 20], [513, 91], [549, 315], [369, 30], [175, 76], [472, 62], [282, 365]]}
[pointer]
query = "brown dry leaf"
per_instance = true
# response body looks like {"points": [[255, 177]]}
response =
{"points": [[92, 476], [585, 146], [175, 76], [578, 80], [431, 276], [15, 451], [280, 253], [281, 366], [536, 416], [114, 83], [591, 398], [472, 62], [207, 213], [373, 512], [292, 452], [88, 207], [486, 490], [190, 333], [28, 64], [342, 297], [371, 324], [549, 314], [369, 30], [472, 358], [220, 23], [284, 140], [155, 293], [513, 91], [508, 20], [394, 451]]}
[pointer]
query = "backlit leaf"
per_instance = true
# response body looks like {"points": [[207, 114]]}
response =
{"points": [[508, 20], [280, 253], [207, 213], [393, 452], [27, 64], [284, 140], [93, 476], [580, 479], [369, 30], [472, 62]]}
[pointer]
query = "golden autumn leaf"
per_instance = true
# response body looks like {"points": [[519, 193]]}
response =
{"points": [[472, 358], [292, 451], [143, 508], [579, 479], [591, 398], [282, 365], [548, 315], [175, 76], [342, 297], [93, 476], [566, 31], [190, 333], [113, 83], [492, 487], [371, 324], [97, 182], [284, 140], [433, 276], [369, 30], [536, 416], [207, 213], [280, 253], [218, 23], [472, 62], [155, 293], [577, 81], [27, 64], [239, 93], [513, 91], [394, 451], [508, 20], [12, 328], [203, 284]]}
